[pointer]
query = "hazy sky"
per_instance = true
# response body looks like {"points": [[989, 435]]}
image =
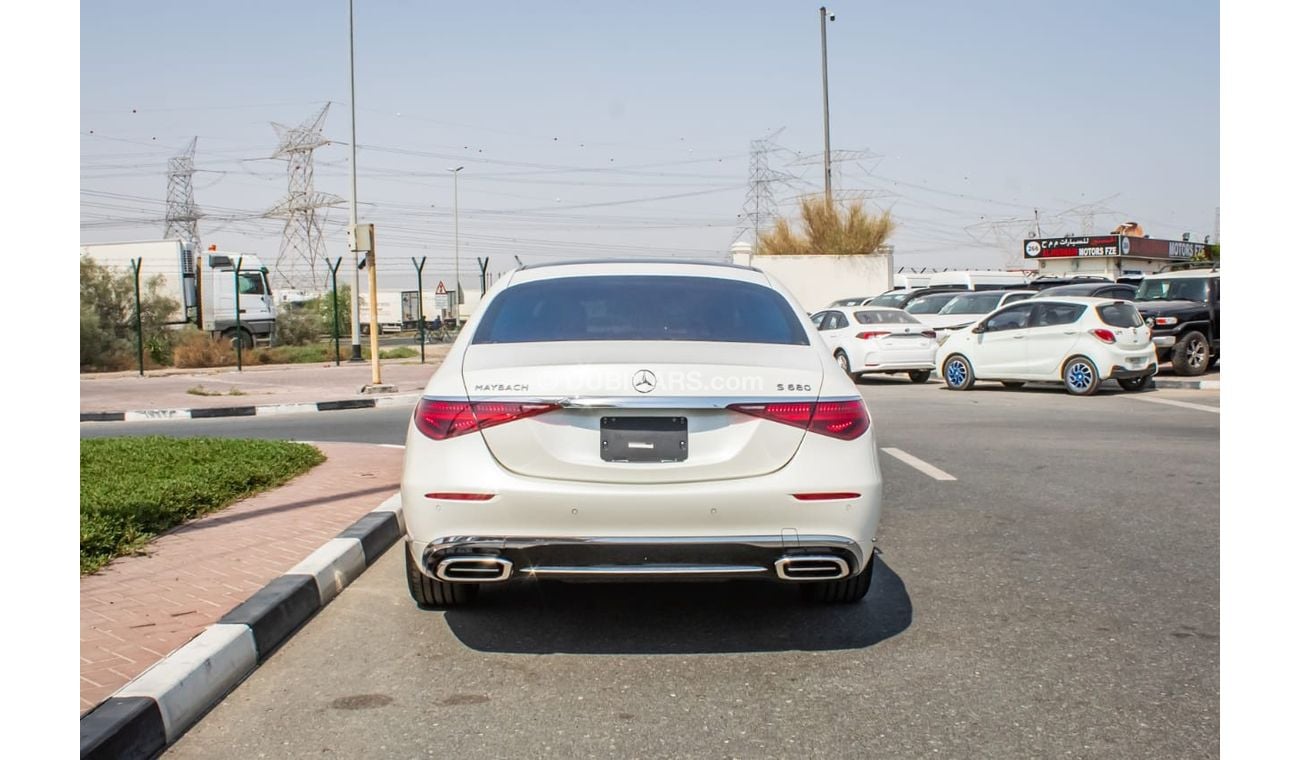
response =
{"points": [[593, 129]]}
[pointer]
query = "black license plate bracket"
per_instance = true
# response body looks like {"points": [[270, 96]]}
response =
{"points": [[643, 439]]}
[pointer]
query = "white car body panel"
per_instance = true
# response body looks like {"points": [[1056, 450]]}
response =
{"points": [[1038, 353]]}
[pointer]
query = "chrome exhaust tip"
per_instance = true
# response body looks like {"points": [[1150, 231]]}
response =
{"points": [[473, 569], [809, 567]]}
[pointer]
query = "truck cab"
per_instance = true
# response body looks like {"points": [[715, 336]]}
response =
{"points": [[256, 322]]}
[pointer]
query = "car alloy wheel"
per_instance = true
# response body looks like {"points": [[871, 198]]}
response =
{"points": [[1080, 376], [843, 361], [956, 372]]}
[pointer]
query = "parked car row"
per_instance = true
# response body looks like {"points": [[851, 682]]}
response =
{"points": [[1078, 341], [1181, 308]]}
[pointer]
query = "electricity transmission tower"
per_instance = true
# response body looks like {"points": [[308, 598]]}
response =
{"points": [[303, 245], [182, 216], [760, 205]]}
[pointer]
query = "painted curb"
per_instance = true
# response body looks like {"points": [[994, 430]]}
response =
{"points": [[1189, 385], [145, 415], [156, 708]]}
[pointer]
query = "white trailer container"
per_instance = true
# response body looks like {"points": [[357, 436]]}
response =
{"points": [[204, 286]]}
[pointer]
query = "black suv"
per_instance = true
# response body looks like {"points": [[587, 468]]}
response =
{"points": [[1183, 308]]}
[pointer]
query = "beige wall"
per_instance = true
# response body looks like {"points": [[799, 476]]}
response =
{"points": [[815, 281]]}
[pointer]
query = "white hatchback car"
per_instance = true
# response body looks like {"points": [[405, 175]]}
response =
{"points": [[639, 420], [871, 339], [1078, 341]]}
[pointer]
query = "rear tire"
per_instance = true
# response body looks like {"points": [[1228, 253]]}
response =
{"points": [[434, 594], [842, 591], [919, 376], [957, 373], [1080, 376], [1134, 383]]}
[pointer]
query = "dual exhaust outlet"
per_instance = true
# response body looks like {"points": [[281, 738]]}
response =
{"points": [[482, 568]]}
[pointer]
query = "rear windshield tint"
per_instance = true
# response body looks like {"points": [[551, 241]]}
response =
{"points": [[654, 307], [885, 318], [1120, 315]]}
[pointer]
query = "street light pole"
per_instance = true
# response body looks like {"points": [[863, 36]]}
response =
{"points": [[826, 109], [455, 193], [356, 260]]}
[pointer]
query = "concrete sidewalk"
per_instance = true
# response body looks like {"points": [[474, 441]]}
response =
{"points": [[254, 386], [138, 609]]}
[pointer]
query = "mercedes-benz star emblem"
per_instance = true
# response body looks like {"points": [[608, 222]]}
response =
{"points": [[643, 381]]}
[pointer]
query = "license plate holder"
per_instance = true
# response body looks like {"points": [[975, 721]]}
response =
{"points": [[643, 439]]}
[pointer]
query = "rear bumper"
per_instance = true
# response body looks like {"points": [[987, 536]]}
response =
{"points": [[790, 557], [1128, 373]]}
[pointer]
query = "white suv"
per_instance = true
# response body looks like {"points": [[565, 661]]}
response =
{"points": [[1078, 341], [639, 420]]}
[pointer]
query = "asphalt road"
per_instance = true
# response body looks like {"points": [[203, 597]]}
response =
{"points": [[1058, 599]]}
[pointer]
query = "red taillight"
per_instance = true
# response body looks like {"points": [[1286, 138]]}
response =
{"points": [[440, 419], [828, 496], [839, 419], [872, 334], [1105, 336], [930, 334], [459, 496]]}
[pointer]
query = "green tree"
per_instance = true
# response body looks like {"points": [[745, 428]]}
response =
{"points": [[108, 317]]}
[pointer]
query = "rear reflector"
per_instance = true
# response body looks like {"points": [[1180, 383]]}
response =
{"points": [[455, 496], [440, 419], [839, 419], [828, 496]]}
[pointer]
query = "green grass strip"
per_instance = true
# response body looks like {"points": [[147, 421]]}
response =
{"points": [[133, 489]]}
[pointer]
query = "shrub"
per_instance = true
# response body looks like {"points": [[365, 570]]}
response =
{"points": [[298, 327], [108, 317], [829, 230], [194, 348]]}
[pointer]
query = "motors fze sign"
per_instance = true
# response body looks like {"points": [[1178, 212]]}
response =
{"points": [[1110, 245]]}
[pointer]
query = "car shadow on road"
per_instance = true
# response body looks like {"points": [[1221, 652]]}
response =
{"points": [[683, 618]]}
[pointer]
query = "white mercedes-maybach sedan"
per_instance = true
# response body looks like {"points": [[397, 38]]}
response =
{"points": [[634, 420]]}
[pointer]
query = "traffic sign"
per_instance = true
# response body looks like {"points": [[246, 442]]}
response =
{"points": [[441, 290]]}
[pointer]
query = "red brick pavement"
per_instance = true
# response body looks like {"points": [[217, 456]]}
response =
{"points": [[139, 609]]}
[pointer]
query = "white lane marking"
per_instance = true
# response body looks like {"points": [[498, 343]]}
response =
{"points": [[1171, 402], [393, 445], [923, 466]]}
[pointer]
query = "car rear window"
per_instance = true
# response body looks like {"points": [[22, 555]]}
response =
{"points": [[640, 307], [930, 304], [893, 299], [885, 318], [981, 303], [1120, 315]]}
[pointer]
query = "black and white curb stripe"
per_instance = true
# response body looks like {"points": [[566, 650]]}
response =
{"points": [[1190, 385], [248, 411], [151, 712]]}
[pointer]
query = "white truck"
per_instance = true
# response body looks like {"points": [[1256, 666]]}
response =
{"points": [[398, 310], [203, 285]]}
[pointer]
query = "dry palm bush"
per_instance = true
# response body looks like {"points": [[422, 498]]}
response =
{"points": [[830, 230], [195, 348]]}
